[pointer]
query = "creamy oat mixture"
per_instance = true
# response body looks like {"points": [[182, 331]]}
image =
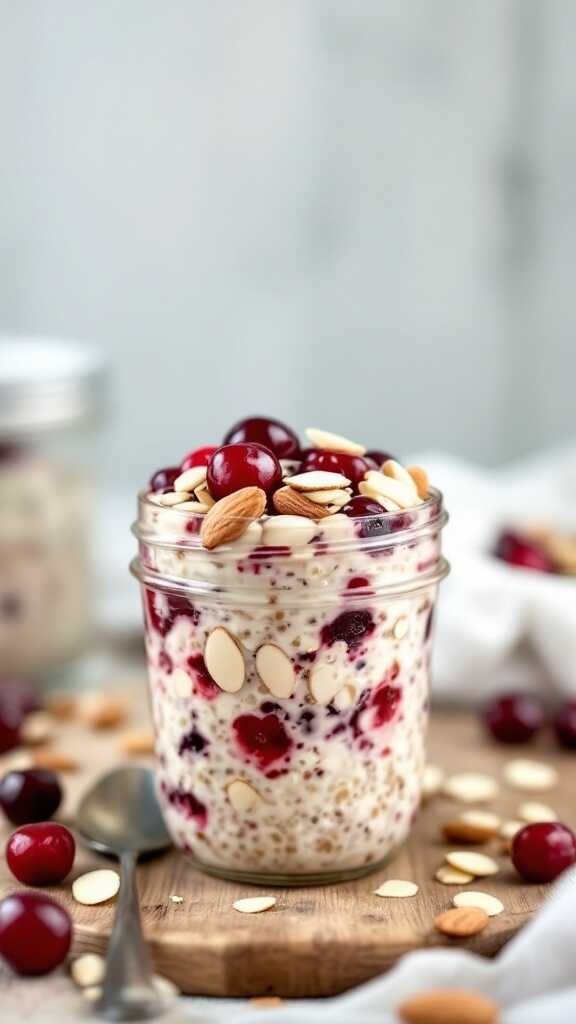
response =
{"points": [[289, 673], [44, 612]]}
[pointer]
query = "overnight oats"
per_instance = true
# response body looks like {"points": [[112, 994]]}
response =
{"points": [[289, 600]]}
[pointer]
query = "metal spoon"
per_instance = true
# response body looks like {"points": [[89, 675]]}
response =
{"points": [[120, 815]]}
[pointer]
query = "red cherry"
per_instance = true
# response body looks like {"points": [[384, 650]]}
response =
{"points": [[377, 457], [351, 466], [163, 479], [385, 701], [33, 794], [198, 457], [188, 805], [376, 521], [522, 552], [273, 434], [264, 739], [565, 725], [10, 723], [41, 854], [243, 465], [542, 851], [350, 626], [514, 717], [35, 932]]}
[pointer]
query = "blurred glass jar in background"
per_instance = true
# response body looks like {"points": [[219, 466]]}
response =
{"points": [[52, 395]]}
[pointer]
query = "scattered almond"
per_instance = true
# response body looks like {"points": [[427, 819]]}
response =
{"points": [[96, 886], [523, 773], [324, 683], [477, 864], [432, 780], [136, 743], [400, 628], [462, 831], [54, 761], [266, 1002], [452, 876], [289, 502], [37, 727], [460, 922], [243, 796], [396, 887], [405, 496], [88, 969], [176, 899], [532, 812], [103, 711], [471, 787], [489, 904], [254, 904], [62, 706], [333, 442], [92, 993], [508, 829], [165, 987], [228, 518], [276, 671], [224, 660], [420, 478], [448, 1006]]}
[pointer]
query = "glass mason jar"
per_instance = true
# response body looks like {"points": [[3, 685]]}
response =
{"points": [[289, 683], [51, 393]]}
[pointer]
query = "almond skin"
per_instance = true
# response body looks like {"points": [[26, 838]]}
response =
{"points": [[448, 1006], [294, 503], [420, 478], [228, 518], [461, 922], [464, 832]]}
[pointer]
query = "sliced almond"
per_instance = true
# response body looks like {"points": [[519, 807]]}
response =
{"points": [[471, 787], [37, 727], [243, 796], [190, 479], [293, 503], [460, 922], [397, 472], [92, 993], [400, 628], [329, 442], [317, 480], [197, 507], [489, 904], [397, 888], [102, 711], [288, 531], [62, 705], [404, 496], [180, 683], [224, 660], [54, 761], [369, 491], [483, 819], [448, 1006], [96, 886], [276, 671], [254, 904], [337, 527], [462, 830], [508, 829], [171, 498], [202, 494], [88, 969], [420, 478], [345, 697], [477, 864], [432, 780], [331, 496], [452, 876], [532, 812], [228, 518], [135, 743], [535, 776], [176, 899], [324, 683], [266, 1002]]}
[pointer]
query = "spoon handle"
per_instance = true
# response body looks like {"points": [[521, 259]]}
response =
{"points": [[128, 991]]}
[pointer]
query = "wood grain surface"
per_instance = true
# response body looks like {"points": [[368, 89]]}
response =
{"points": [[315, 941]]}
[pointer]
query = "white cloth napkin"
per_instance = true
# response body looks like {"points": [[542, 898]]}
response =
{"points": [[533, 979]]}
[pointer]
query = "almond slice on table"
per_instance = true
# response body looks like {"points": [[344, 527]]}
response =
{"points": [[420, 478], [336, 497], [228, 518], [88, 969], [532, 812], [461, 922], [190, 479], [471, 827], [329, 442], [317, 480], [294, 503], [137, 743], [96, 886], [54, 761], [477, 864], [471, 787], [536, 776], [491, 905], [243, 796], [254, 904], [396, 887], [276, 671], [324, 683], [37, 727], [508, 829], [452, 876], [448, 1006], [224, 660], [61, 705], [345, 697], [404, 496], [103, 711], [288, 531]]}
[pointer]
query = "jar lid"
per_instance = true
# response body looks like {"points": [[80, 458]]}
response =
{"points": [[46, 383]]}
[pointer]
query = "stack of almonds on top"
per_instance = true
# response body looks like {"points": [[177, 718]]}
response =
{"points": [[261, 470]]}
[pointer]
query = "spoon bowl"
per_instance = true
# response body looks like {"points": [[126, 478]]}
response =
{"points": [[121, 814]]}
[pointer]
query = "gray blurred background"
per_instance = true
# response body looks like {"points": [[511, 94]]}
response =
{"points": [[355, 215]]}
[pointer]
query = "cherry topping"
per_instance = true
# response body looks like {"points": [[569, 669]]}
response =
{"points": [[540, 852], [350, 626], [275, 436], [514, 717], [198, 457], [35, 932], [351, 466], [377, 458], [264, 739], [33, 794], [243, 465], [376, 522], [522, 552], [41, 854], [163, 479], [565, 725]]}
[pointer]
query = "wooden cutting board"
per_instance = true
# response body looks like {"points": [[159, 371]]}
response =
{"points": [[315, 941]]}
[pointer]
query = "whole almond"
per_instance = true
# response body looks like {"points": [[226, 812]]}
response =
{"points": [[462, 831], [460, 922], [448, 1006], [103, 711], [228, 519], [54, 761], [294, 503]]}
